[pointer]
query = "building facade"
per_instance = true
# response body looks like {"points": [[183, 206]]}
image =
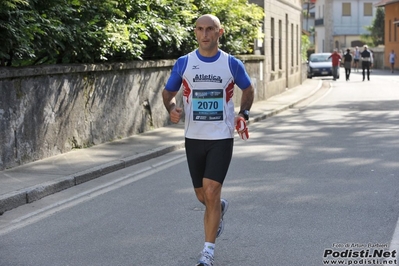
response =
{"points": [[339, 24], [391, 31], [282, 44]]}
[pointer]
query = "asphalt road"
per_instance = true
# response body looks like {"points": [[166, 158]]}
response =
{"points": [[316, 183]]}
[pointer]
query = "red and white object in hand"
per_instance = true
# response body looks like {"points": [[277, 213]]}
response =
{"points": [[241, 127]]}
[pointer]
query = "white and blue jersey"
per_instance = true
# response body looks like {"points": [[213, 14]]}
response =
{"points": [[208, 84]]}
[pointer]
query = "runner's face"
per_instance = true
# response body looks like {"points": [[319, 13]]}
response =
{"points": [[207, 34]]}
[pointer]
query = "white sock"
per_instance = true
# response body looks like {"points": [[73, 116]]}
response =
{"points": [[210, 248]]}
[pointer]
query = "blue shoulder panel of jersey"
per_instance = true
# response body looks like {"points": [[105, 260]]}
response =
{"points": [[241, 77], [175, 79], [237, 68]]}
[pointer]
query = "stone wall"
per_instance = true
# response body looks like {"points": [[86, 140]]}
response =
{"points": [[379, 58], [49, 110]]}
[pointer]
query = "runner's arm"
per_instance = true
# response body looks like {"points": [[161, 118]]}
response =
{"points": [[243, 81], [247, 98], [169, 99]]}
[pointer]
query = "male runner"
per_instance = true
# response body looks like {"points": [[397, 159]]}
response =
{"points": [[207, 76]]}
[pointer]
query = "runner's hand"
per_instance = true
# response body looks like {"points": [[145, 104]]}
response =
{"points": [[241, 127], [175, 114]]}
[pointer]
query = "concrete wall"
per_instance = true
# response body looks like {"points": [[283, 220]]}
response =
{"points": [[49, 110], [379, 59]]}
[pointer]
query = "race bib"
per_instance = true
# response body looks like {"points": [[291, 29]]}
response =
{"points": [[208, 105]]}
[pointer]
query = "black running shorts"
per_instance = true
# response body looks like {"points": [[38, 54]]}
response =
{"points": [[208, 158]]}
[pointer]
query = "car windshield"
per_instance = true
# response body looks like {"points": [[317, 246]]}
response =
{"points": [[319, 58]]}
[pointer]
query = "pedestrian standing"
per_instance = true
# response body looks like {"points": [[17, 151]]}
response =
{"points": [[207, 76], [347, 63], [371, 59], [336, 58], [392, 58], [366, 61], [356, 58]]}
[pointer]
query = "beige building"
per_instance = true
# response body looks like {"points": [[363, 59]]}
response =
{"points": [[282, 66]]}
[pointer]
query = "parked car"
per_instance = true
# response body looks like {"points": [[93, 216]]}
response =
{"points": [[320, 65]]}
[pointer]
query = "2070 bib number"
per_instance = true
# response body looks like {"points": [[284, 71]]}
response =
{"points": [[208, 105]]}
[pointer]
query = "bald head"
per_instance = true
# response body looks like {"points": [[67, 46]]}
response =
{"points": [[209, 19], [208, 31]]}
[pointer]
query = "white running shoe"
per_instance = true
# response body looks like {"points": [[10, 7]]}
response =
{"points": [[206, 259]]}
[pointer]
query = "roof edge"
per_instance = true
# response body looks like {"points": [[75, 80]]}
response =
{"points": [[386, 2]]}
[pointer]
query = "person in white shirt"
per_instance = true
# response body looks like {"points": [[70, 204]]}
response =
{"points": [[356, 58], [367, 60]]}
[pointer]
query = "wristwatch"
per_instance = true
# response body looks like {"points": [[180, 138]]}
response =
{"points": [[245, 113]]}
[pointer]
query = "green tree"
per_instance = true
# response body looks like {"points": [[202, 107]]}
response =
{"points": [[74, 30], [240, 20], [13, 33], [376, 36], [90, 31], [167, 27], [305, 45]]}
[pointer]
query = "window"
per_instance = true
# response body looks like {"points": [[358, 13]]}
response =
{"points": [[346, 9], [320, 13], [297, 45], [280, 44], [272, 42], [368, 9], [292, 44]]}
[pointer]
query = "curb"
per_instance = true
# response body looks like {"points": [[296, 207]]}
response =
{"points": [[18, 198], [28, 195], [284, 108]]}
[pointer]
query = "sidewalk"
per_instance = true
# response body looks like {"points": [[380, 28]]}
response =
{"points": [[33, 181]]}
